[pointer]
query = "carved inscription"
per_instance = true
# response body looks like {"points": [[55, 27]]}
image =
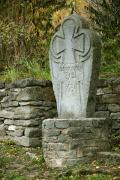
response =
{"points": [[70, 88]]}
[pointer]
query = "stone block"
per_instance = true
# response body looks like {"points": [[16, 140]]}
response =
{"points": [[6, 114], [19, 132], [30, 82], [49, 104], [76, 123], [58, 147], [53, 139], [66, 154], [76, 143], [101, 114], [10, 103], [30, 94], [27, 123], [13, 104], [36, 93], [31, 103], [11, 128], [64, 138], [100, 92], [33, 132], [9, 121], [62, 124], [48, 124], [27, 112], [115, 115], [50, 133], [101, 107], [27, 142], [13, 93], [114, 107], [111, 99], [76, 130]]}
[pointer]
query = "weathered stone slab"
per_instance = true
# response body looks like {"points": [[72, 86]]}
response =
{"points": [[27, 123], [6, 114], [29, 82], [115, 115], [27, 112], [114, 107], [27, 142], [111, 98], [9, 121], [102, 114], [11, 128], [74, 61], [19, 132], [33, 132], [36, 93]]}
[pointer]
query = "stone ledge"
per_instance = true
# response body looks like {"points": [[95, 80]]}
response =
{"points": [[28, 82]]}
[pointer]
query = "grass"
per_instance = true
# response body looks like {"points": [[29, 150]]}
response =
{"points": [[16, 164], [25, 69], [110, 70]]}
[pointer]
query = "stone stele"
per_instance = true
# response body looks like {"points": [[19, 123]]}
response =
{"points": [[75, 54]]}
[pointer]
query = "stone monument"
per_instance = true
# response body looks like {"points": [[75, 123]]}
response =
{"points": [[75, 61], [75, 136]]}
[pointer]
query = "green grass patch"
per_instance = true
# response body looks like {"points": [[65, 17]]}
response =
{"points": [[98, 177], [32, 69], [110, 70], [25, 69]]}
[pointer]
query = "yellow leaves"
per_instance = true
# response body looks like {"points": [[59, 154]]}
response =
{"points": [[79, 7], [59, 15], [68, 2]]}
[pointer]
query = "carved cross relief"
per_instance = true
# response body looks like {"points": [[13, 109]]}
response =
{"points": [[70, 48], [68, 41]]}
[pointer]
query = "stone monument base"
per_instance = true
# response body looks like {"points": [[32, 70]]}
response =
{"points": [[70, 142]]}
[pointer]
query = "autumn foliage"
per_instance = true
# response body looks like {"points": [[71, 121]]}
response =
{"points": [[26, 28]]}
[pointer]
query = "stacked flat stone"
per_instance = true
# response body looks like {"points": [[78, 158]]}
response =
{"points": [[69, 142], [24, 104], [108, 102]]}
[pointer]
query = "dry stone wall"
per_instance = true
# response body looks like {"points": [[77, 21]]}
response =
{"points": [[26, 103], [108, 102]]}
